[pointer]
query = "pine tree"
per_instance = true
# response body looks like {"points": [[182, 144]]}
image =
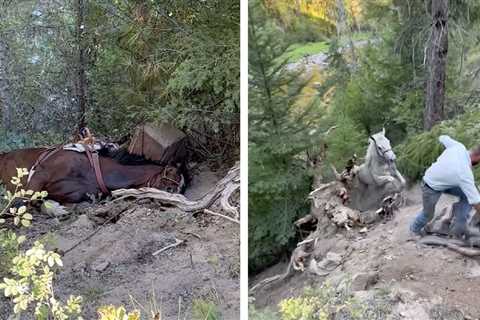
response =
{"points": [[279, 132]]}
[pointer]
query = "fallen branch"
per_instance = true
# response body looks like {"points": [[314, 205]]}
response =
{"points": [[225, 200], [220, 215], [173, 245], [454, 245], [279, 277], [223, 191]]}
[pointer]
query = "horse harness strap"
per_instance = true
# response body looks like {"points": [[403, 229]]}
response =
{"points": [[164, 177], [382, 152], [92, 156], [43, 157]]}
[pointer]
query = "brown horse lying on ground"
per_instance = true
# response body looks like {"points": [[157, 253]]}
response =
{"points": [[68, 176]]}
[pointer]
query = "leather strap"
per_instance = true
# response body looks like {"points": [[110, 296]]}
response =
{"points": [[41, 158], [91, 155], [95, 163]]}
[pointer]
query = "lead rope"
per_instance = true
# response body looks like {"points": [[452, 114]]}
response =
{"points": [[164, 177]]}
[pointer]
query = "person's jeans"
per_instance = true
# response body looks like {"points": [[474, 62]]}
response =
{"points": [[461, 209]]}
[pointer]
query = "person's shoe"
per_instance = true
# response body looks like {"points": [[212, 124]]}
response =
{"points": [[415, 236], [426, 230]]}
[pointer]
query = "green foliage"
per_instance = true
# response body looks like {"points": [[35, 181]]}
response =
{"points": [[170, 63], [145, 61], [32, 284], [375, 95], [305, 21], [29, 275], [298, 51], [344, 141], [9, 248], [117, 313], [279, 132], [255, 314], [328, 303], [418, 152], [205, 310]]}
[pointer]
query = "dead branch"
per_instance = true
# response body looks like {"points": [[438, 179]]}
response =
{"points": [[450, 244], [279, 277], [223, 191], [220, 215], [176, 244], [225, 200]]}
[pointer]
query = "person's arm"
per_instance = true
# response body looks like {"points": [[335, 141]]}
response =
{"points": [[467, 184], [447, 141]]}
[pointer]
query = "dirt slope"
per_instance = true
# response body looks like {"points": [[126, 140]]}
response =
{"points": [[425, 278], [117, 262]]}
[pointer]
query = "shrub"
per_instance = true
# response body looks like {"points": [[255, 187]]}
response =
{"points": [[117, 313], [279, 132], [328, 303], [419, 151], [205, 310], [31, 273]]}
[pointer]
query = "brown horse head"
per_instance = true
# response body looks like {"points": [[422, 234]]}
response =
{"points": [[169, 179]]}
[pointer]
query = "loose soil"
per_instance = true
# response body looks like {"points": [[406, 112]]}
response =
{"points": [[429, 279], [116, 265]]}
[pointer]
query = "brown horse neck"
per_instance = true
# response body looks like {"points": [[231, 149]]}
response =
{"points": [[118, 176]]}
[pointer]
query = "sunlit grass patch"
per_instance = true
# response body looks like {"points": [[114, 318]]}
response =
{"points": [[300, 50]]}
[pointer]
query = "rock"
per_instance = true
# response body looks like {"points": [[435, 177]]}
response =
{"points": [[363, 281], [101, 266], [403, 295], [331, 261], [326, 265], [83, 222], [364, 295]]}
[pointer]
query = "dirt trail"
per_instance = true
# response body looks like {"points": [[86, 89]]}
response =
{"points": [[426, 277], [117, 262]]}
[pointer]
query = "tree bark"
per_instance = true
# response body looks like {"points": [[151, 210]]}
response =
{"points": [[343, 29], [6, 98], [82, 64], [436, 61]]}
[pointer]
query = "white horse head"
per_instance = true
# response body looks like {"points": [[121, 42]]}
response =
{"points": [[379, 148]]}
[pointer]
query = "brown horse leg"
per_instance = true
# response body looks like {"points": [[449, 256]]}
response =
{"points": [[36, 185]]}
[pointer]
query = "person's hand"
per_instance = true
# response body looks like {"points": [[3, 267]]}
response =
{"points": [[477, 208]]}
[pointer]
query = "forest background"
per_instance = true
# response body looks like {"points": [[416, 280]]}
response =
{"points": [[324, 75], [111, 65]]}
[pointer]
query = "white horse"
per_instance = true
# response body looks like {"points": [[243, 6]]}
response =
{"points": [[378, 176]]}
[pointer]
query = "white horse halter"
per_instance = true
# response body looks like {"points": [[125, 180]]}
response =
{"points": [[381, 153]]}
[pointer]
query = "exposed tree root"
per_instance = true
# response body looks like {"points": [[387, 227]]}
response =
{"points": [[452, 244], [223, 191]]}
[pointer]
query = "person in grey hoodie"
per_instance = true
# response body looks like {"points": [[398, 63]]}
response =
{"points": [[452, 174]]}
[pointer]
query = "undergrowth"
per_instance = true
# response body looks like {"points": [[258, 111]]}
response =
{"points": [[328, 303], [420, 151], [29, 274]]}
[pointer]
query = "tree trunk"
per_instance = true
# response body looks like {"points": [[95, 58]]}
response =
{"points": [[82, 64], [436, 60], [6, 98], [343, 30]]}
